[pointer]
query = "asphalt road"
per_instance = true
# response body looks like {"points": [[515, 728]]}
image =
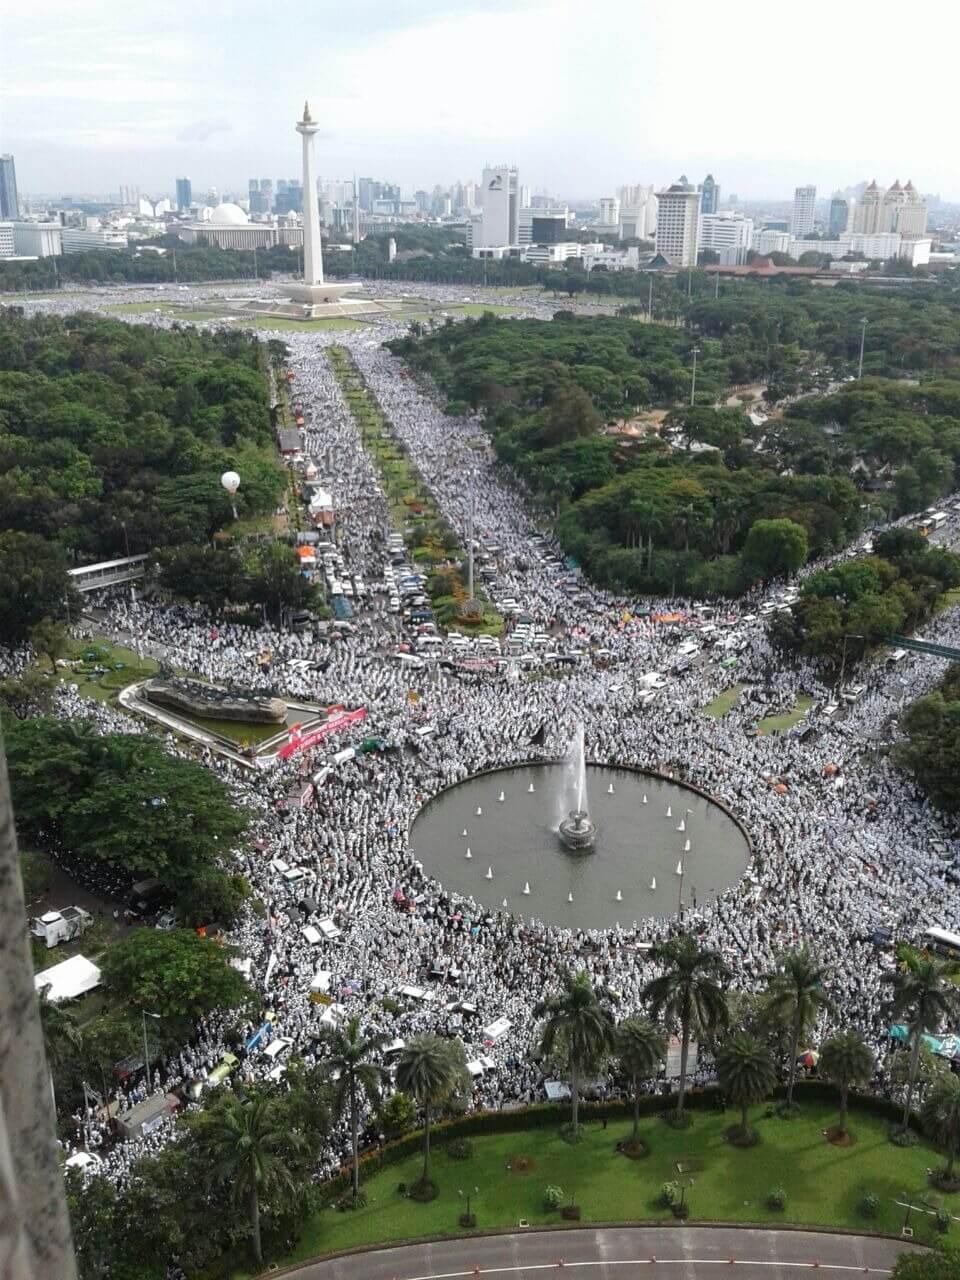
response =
{"points": [[622, 1253]]}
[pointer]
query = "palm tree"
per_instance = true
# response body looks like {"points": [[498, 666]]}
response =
{"points": [[350, 1063], [428, 1071], [689, 992], [641, 1047], [746, 1073], [941, 1118], [846, 1059], [923, 997], [244, 1141], [580, 1024], [796, 994]]}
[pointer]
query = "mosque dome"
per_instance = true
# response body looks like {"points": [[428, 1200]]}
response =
{"points": [[228, 215]]}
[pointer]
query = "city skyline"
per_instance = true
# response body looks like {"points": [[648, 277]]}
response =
{"points": [[150, 96]]}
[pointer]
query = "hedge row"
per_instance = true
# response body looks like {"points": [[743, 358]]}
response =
{"points": [[553, 1115]]}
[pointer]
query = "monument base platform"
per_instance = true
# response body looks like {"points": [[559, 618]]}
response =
{"points": [[287, 309], [313, 295]]}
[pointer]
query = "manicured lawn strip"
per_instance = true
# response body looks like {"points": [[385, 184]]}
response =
{"points": [[781, 723], [823, 1183], [106, 687], [724, 702]]}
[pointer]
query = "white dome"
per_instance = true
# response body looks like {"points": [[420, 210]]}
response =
{"points": [[229, 215]]}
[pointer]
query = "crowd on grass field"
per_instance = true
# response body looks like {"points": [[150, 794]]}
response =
{"points": [[837, 852]]}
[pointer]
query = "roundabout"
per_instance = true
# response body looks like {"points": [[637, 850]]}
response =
{"points": [[499, 839]]}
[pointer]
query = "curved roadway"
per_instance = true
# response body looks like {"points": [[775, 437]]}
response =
{"points": [[622, 1253]]}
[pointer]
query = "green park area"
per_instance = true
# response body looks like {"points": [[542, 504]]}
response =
{"points": [[101, 670], [723, 702], [787, 720], [823, 1184], [215, 312]]}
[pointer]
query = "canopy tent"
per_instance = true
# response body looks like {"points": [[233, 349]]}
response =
{"points": [[68, 979]]}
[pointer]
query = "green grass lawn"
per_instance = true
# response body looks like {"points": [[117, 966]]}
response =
{"points": [[105, 687], [780, 724], [723, 702], [284, 322], [478, 308], [823, 1183]]}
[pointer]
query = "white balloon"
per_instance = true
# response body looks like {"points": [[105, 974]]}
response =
{"points": [[230, 481]]}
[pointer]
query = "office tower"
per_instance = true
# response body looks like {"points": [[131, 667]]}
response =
{"points": [[184, 193], [499, 221], [839, 215], [9, 200], [365, 188], [912, 218], [610, 211], [253, 195], [289, 196], [678, 217], [804, 207], [709, 195], [638, 212], [728, 234], [524, 197], [266, 194]]}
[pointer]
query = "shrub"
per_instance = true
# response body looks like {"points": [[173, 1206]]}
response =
{"points": [[777, 1199], [669, 1195], [943, 1221], [903, 1137], [552, 1198], [571, 1212], [460, 1149], [351, 1201], [870, 1205]]}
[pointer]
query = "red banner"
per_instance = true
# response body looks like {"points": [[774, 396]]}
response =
{"points": [[304, 741]]}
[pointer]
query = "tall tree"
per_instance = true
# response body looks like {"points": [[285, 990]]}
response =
{"points": [[746, 1073], [579, 1025], [689, 991], [641, 1047], [796, 994], [923, 997], [941, 1119], [846, 1060], [244, 1141], [350, 1060], [427, 1070]]}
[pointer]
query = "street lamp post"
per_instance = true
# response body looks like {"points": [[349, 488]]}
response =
{"points": [[146, 1052], [863, 339], [693, 380]]}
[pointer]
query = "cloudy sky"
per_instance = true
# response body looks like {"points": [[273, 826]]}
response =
{"points": [[582, 97]]}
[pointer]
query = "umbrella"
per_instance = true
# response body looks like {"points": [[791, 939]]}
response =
{"points": [[829, 770], [780, 789], [809, 1058]]}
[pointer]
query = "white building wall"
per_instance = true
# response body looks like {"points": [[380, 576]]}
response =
{"points": [[678, 226], [804, 206], [727, 234], [499, 208], [6, 240], [37, 239]]}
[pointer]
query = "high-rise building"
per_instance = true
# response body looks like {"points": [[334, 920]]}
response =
{"points": [[184, 193], [289, 196], [678, 218], [638, 212], [499, 221], [610, 211], [912, 218], [728, 234], [9, 200], [266, 194], [898, 208], [804, 209], [839, 215], [709, 195]]}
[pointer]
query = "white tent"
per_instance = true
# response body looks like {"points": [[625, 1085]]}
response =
{"points": [[68, 979]]}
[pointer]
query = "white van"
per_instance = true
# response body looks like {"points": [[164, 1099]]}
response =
{"points": [[409, 660], [277, 1047]]}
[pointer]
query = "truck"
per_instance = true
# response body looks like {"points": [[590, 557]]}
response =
{"points": [[54, 927]]}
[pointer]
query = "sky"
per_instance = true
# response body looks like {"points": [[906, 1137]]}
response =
{"points": [[582, 98]]}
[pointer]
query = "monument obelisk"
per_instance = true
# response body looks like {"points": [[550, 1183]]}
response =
{"points": [[314, 292]]}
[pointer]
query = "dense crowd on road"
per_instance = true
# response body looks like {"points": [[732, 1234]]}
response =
{"points": [[836, 852]]}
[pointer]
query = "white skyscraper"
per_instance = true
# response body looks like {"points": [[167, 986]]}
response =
{"points": [[638, 212], [804, 205], [609, 211], [728, 234], [499, 221], [678, 218]]}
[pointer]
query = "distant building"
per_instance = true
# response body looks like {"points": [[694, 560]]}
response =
{"points": [[289, 198], [728, 234], [678, 219], [769, 240], [498, 222], [550, 255], [804, 210], [228, 227], [709, 195], [839, 215], [898, 209], [9, 200], [638, 212], [84, 240], [7, 249], [184, 194], [37, 239], [610, 212], [878, 245]]}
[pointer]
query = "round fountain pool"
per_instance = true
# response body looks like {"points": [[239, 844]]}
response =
{"points": [[639, 855]]}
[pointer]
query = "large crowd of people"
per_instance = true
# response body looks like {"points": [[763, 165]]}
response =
{"points": [[842, 842]]}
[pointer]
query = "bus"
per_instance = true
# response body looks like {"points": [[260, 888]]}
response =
{"points": [[934, 520], [942, 942]]}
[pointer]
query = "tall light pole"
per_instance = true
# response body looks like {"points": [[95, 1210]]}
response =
{"points": [[863, 340], [693, 380], [146, 1052]]}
